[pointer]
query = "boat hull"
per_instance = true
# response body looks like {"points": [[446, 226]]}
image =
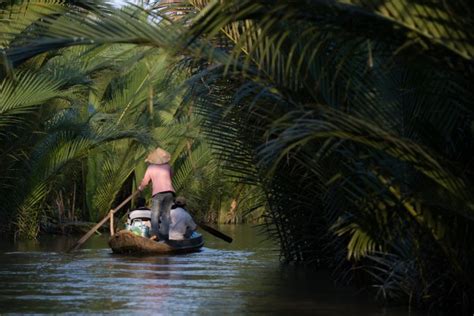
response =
{"points": [[125, 242]]}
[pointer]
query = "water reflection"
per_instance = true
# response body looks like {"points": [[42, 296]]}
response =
{"points": [[239, 278]]}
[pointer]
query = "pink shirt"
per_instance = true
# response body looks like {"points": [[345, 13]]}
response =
{"points": [[160, 176]]}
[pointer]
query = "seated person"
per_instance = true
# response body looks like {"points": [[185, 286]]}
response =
{"points": [[181, 223], [141, 213]]}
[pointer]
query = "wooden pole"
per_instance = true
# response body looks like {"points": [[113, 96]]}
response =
{"points": [[83, 239], [111, 226], [215, 232]]}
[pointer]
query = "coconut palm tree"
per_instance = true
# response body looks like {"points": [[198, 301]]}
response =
{"points": [[359, 107], [353, 117], [102, 94]]}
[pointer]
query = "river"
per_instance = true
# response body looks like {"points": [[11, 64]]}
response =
{"points": [[244, 277]]}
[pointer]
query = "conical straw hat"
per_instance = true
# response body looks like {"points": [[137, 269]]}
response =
{"points": [[158, 156]]}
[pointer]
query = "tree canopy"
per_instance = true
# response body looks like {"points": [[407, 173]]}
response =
{"points": [[349, 122]]}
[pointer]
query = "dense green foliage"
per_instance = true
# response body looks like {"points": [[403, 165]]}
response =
{"points": [[350, 121], [77, 122]]}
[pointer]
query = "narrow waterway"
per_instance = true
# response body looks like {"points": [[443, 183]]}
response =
{"points": [[244, 277]]}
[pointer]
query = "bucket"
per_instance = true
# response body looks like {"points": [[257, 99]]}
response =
{"points": [[139, 228], [145, 231]]}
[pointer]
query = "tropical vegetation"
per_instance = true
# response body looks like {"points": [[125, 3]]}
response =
{"points": [[349, 122]]}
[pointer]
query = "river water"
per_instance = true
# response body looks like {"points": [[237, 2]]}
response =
{"points": [[244, 277]]}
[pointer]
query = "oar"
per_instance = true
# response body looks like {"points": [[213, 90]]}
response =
{"points": [[83, 239], [215, 232]]}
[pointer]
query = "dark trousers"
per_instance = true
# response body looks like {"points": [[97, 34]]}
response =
{"points": [[160, 210]]}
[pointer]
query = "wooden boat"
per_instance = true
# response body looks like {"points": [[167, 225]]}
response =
{"points": [[127, 242]]}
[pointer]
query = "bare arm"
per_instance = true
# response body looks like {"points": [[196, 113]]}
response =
{"points": [[145, 181]]}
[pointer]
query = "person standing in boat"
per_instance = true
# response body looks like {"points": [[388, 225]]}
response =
{"points": [[182, 224], [160, 174]]}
